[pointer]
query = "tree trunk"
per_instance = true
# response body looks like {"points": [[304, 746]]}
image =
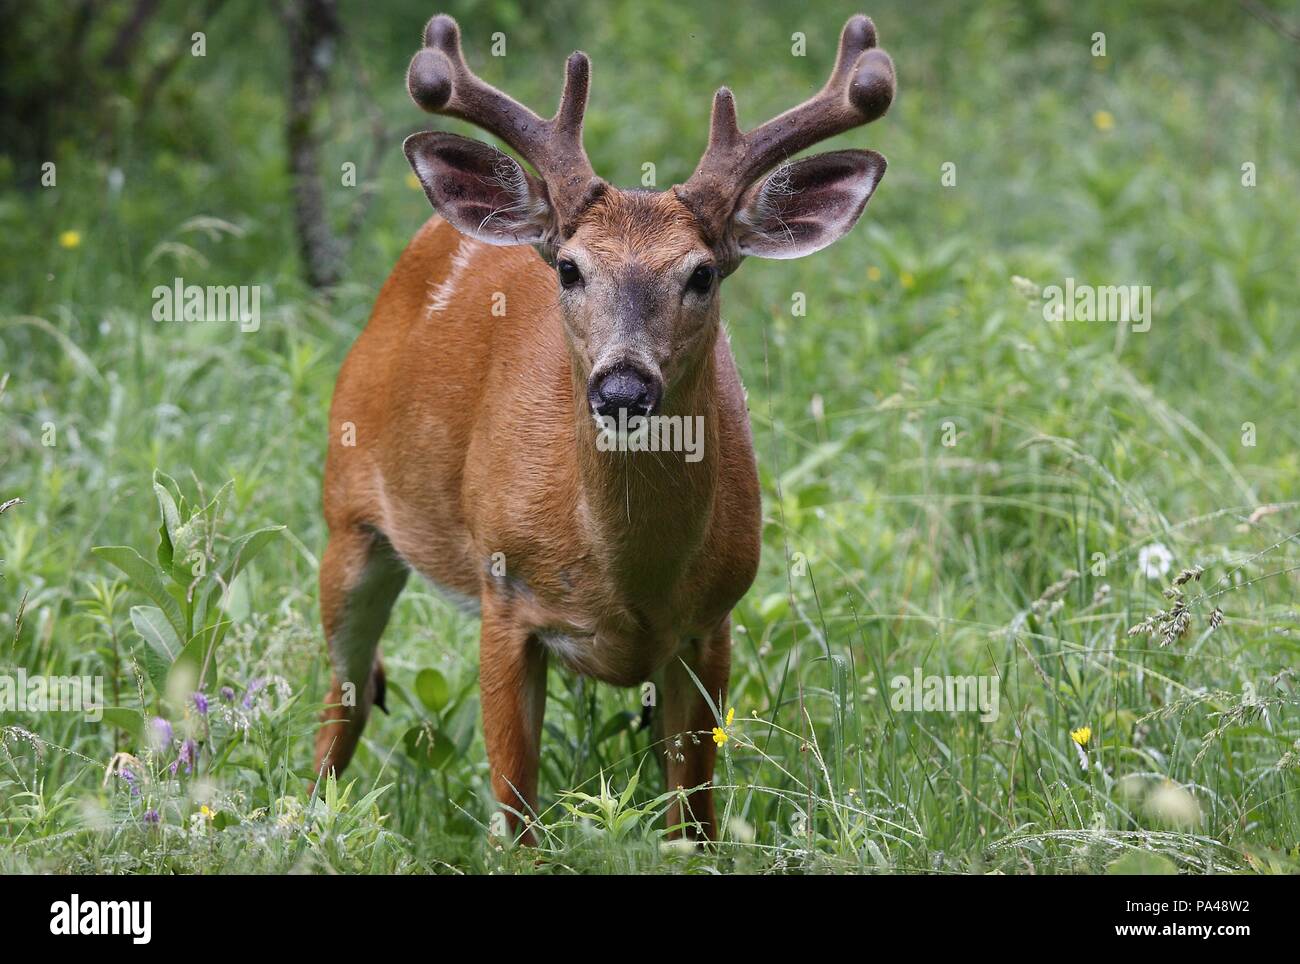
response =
{"points": [[314, 30]]}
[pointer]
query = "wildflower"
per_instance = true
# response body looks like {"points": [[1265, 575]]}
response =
{"points": [[152, 817], [1103, 120], [129, 778], [227, 694], [873, 273], [1081, 736], [250, 695], [206, 812], [189, 753], [160, 733], [201, 703], [720, 735], [70, 240], [1154, 560], [1026, 288], [906, 279]]}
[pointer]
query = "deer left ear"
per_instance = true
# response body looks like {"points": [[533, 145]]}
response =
{"points": [[802, 207]]}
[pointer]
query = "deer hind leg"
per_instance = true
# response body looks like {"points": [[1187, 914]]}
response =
{"points": [[687, 729], [360, 579]]}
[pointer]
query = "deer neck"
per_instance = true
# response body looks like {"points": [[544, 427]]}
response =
{"points": [[649, 510]]}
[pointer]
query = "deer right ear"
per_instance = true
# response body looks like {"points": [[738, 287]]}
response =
{"points": [[480, 191]]}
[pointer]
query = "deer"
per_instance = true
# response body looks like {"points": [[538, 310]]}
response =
{"points": [[534, 306]]}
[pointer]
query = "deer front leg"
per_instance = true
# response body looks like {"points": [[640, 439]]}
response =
{"points": [[512, 686], [687, 727]]}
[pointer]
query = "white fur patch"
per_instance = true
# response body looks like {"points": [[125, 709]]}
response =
{"points": [[566, 647], [441, 293]]}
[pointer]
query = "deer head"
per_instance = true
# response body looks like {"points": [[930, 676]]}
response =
{"points": [[638, 272]]}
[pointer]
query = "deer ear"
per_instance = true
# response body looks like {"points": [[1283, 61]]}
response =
{"points": [[480, 191], [802, 207]]}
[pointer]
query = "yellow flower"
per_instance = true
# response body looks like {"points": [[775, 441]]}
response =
{"points": [[906, 279], [731, 715], [1082, 735], [70, 240], [206, 811], [412, 181], [1103, 120], [720, 735], [873, 273]]}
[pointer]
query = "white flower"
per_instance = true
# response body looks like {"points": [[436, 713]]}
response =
{"points": [[1154, 560]]}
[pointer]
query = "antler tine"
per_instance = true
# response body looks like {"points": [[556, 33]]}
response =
{"points": [[441, 82], [859, 90]]}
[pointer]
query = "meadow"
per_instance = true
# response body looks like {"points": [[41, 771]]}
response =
{"points": [[1102, 517]]}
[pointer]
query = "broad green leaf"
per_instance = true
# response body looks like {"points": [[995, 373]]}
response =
{"points": [[189, 664], [427, 746], [124, 718], [241, 552], [171, 521], [155, 666], [151, 624], [146, 578], [431, 686]]}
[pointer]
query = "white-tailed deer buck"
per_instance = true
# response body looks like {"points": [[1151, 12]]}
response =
{"points": [[466, 427]]}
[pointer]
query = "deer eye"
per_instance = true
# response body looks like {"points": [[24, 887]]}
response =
{"points": [[569, 274], [702, 279]]}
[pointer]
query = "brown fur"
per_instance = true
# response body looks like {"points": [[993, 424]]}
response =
{"points": [[474, 437]]}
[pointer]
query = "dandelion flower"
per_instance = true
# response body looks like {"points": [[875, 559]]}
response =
{"points": [[1081, 736], [1103, 120], [70, 240]]}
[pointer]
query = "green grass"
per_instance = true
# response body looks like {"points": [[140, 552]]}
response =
{"points": [[1075, 446]]}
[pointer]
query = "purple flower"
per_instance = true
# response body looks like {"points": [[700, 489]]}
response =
{"points": [[188, 755], [152, 817], [253, 688], [201, 704], [130, 779], [160, 733], [227, 694]]}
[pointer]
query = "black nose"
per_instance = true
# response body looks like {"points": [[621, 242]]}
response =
{"points": [[623, 388]]}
